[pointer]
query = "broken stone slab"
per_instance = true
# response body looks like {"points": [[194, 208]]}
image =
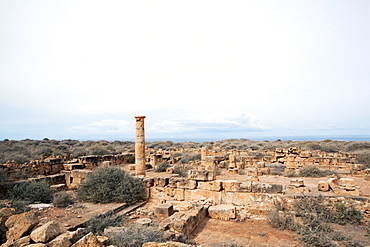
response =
{"points": [[144, 221], [266, 188], [45, 232], [237, 186], [201, 175], [5, 213], [160, 182], [89, 240], [20, 242], [211, 185], [297, 182], [36, 245], [164, 210], [63, 240], [19, 225], [222, 212], [182, 183]]}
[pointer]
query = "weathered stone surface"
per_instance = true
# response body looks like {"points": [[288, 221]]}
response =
{"points": [[144, 221], [20, 225], [297, 182], [323, 186], [20, 242], [63, 240], [45, 232], [201, 175], [211, 185], [89, 240], [182, 183], [237, 186], [160, 182], [36, 245], [164, 210], [5, 213], [222, 212], [266, 188]]}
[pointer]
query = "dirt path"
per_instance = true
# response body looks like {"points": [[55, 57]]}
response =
{"points": [[253, 232]]}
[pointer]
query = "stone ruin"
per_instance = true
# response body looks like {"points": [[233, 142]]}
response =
{"points": [[181, 203]]}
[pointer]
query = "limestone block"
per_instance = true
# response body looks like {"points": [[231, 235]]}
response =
{"points": [[45, 232], [266, 188], [347, 184], [212, 185], [264, 171], [367, 177], [252, 171], [203, 195], [297, 182], [5, 213], [63, 240], [236, 186], [323, 186], [70, 167], [89, 240], [160, 182], [36, 245], [20, 242], [233, 170], [149, 182], [182, 183], [222, 212], [20, 224], [201, 175], [179, 194], [164, 210], [144, 221], [333, 183]]}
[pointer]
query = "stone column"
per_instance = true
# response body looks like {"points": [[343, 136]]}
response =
{"points": [[204, 154], [140, 146]]}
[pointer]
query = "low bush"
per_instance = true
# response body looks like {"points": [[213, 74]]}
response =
{"points": [[111, 184], [187, 157], [314, 172], [181, 169], [62, 199], [20, 206], [162, 167], [97, 224], [316, 216], [135, 236], [32, 191]]}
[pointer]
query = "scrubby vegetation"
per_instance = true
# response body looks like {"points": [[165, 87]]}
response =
{"points": [[315, 219], [111, 184], [314, 172], [135, 236], [31, 191], [62, 199], [97, 224], [162, 167]]}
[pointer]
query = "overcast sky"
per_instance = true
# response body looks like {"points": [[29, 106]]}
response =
{"points": [[196, 69]]}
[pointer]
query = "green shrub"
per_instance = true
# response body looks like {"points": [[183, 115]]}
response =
{"points": [[62, 199], [32, 191], [311, 171], [111, 184], [162, 167], [20, 206], [290, 174], [135, 236], [363, 157], [181, 169], [344, 214], [281, 220], [187, 157], [97, 224]]}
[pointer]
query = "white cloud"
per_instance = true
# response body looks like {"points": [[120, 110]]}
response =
{"points": [[104, 127], [223, 122]]}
